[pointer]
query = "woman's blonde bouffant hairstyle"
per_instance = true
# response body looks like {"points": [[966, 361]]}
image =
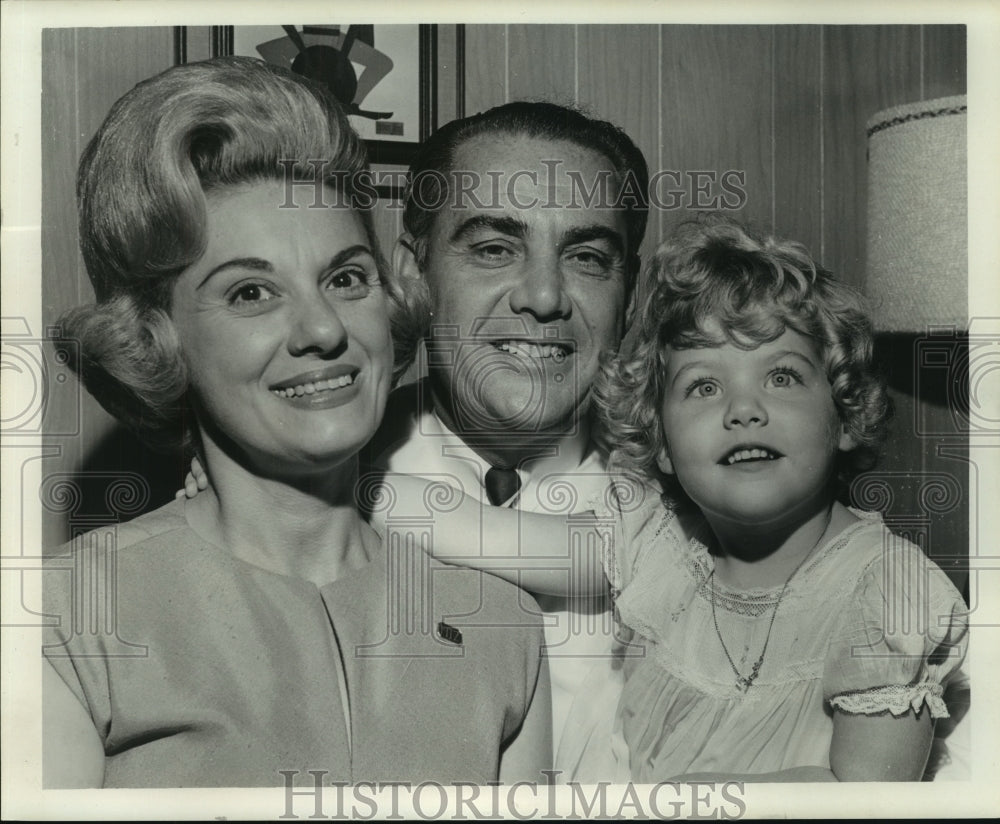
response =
{"points": [[716, 270], [141, 193]]}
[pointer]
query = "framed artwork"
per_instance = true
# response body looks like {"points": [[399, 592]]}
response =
{"points": [[386, 76]]}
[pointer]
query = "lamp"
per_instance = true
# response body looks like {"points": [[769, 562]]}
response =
{"points": [[917, 281], [917, 273]]}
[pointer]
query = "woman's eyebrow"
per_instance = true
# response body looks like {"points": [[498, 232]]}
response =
{"points": [[254, 264], [349, 253]]}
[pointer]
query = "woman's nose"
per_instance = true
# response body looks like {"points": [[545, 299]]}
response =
{"points": [[745, 409], [540, 291], [316, 328]]}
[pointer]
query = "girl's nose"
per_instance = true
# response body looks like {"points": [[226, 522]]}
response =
{"points": [[745, 409]]}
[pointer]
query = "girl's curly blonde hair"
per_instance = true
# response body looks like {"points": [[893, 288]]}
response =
{"points": [[755, 288]]}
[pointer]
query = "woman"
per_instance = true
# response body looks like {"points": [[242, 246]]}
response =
{"points": [[261, 627]]}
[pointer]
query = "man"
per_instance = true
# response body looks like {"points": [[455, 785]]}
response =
{"points": [[522, 224]]}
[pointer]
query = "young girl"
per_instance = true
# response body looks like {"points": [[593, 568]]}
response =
{"points": [[791, 638]]}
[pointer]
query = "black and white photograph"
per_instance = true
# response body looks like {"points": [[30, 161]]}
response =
{"points": [[545, 411]]}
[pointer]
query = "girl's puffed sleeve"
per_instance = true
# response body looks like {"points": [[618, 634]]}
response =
{"points": [[626, 508], [903, 633]]}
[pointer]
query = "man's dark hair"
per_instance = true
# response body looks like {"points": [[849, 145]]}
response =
{"points": [[550, 121]]}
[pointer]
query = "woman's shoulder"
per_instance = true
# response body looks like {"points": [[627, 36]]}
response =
{"points": [[134, 557], [146, 527]]}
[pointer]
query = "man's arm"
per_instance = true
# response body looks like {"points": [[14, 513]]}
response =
{"points": [[535, 551]]}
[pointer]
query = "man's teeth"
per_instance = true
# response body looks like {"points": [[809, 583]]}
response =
{"points": [[750, 455], [312, 388], [534, 350]]}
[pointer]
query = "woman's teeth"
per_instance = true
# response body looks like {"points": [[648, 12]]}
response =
{"points": [[301, 389], [750, 455]]}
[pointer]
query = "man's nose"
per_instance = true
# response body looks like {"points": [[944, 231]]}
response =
{"points": [[316, 327], [541, 291], [745, 408]]}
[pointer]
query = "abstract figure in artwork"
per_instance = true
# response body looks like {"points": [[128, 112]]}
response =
{"points": [[327, 54]]}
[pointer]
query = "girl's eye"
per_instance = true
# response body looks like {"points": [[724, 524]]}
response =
{"points": [[702, 388], [784, 377], [249, 294]]}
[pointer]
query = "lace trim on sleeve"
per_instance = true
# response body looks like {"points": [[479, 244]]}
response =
{"points": [[621, 506], [895, 698], [601, 502]]}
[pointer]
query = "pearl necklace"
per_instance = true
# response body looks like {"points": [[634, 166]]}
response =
{"points": [[744, 682]]}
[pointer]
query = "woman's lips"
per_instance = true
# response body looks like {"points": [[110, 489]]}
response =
{"points": [[313, 387], [320, 388]]}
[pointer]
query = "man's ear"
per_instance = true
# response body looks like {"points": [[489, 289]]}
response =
{"points": [[664, 463], [404, 258]]}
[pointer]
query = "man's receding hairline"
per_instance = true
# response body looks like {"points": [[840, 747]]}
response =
{"points": [[472, 139]]}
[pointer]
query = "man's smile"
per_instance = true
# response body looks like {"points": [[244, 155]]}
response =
{"points": [[556, 350]]}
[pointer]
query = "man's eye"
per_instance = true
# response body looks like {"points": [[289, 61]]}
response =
{"points": [[590, 260], [248, 294], [492, 252]]}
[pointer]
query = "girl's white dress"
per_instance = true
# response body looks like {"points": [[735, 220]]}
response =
{"points": [[867, 625]]}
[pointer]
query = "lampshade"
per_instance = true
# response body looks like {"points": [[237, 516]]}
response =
{"points": [[917, 273]]}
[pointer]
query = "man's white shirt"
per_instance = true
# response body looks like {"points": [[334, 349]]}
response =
{"points": [[578, 632]]}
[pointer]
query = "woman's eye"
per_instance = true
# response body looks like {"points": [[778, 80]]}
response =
{"points": [[353, 281], [250, 293]]}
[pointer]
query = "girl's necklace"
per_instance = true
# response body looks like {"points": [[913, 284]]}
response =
{"points": [[744, 682]]}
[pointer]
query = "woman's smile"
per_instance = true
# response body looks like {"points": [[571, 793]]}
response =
{"points": [[321, 386]]}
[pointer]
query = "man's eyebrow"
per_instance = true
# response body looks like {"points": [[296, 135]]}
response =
{"points": [[598, 231], [504, 225]]}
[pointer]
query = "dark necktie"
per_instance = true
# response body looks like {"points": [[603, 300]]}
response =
{"points": [[501, 485]]}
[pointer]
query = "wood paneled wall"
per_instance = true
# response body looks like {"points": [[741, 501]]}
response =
{"points": [[787, 105], [784, 105]]}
